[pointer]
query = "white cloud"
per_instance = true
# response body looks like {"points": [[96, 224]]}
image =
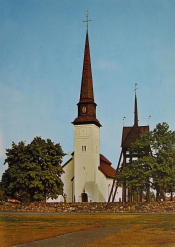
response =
{"points": [[110, 65]]}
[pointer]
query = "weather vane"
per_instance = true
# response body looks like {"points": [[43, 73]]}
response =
{"points": [[124, 120], [136, 88], [149, 119], [87, 20]]}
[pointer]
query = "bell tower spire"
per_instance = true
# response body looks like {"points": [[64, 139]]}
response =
{"points": [[87, 105], [136, 108], [86, 93]]}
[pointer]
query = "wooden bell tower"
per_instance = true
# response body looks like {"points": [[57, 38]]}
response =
{"points": [[129, 136]]}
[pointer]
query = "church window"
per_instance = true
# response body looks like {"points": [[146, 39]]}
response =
{"points": [[84, 148]]}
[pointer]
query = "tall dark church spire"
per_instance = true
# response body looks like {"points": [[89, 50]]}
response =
{"points": [[87, 94], [135, 112], [136, 120], [87, 105]]}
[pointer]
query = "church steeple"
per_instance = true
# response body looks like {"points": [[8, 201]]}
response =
{"points": [[136, 120], [86, 93], [135, 112], [87, 105]]}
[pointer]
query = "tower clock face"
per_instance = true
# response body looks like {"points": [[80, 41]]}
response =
{"points": [[84, 109]]}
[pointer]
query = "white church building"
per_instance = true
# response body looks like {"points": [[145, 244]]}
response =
{"points": [[88, 174]]}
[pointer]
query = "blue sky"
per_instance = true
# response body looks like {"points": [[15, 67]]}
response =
{"points": [[42, 46]]}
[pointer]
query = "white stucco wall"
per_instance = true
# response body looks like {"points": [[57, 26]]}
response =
{"points": [[67, 177], [105, 185]]}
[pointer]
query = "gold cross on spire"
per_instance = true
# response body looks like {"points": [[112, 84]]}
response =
{"points": [[87, 20]]}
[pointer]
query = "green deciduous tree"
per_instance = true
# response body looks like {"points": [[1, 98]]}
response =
{"points": [[163, 172], [34, 170]]}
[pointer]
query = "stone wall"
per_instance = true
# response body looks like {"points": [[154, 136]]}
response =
{"points": [[153, 207]]}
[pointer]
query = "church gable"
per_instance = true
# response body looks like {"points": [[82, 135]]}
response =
{"points": [[106, 168], [68, 162]]}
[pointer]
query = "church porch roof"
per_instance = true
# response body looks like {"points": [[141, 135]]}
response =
{"points": [[106, 168]]}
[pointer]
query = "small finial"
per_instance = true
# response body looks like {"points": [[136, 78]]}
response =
{"points": [[149, 119], [124, 120], [87, 20], [136, 88]]}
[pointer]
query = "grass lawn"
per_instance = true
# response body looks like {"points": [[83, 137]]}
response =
{"points": [[145, 230]]}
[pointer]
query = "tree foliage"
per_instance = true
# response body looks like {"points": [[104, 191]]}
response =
{"points": [[34, 170], [155, 166]]}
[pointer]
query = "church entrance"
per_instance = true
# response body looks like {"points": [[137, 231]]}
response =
{"points": [[84, 197]]}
